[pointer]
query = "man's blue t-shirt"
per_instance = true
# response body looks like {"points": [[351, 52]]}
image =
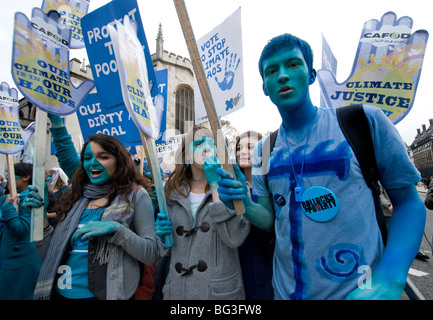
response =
{"points": [[325, 260]]}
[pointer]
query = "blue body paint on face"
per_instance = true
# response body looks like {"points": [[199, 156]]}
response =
{"points": [[201, 147], [286, 77], [92, 165]]}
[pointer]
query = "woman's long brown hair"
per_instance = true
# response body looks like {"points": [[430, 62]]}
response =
{"points": [[121, 181], [182, 171]]}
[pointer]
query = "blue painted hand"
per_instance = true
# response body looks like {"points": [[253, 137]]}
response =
{"points": [[163, 225], [95, 228]]}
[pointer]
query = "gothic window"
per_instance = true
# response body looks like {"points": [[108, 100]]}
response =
{"points": [[184, 109]]}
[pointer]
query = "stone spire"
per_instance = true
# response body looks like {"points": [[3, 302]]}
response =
{"points": [[159, 43]]}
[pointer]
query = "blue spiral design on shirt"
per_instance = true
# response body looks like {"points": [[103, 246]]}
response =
{"points": [[341, 263]]}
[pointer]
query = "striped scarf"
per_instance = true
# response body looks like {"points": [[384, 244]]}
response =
{"points": [[66, 228]]}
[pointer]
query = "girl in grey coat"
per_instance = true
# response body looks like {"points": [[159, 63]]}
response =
{"points": [[204, 257]]}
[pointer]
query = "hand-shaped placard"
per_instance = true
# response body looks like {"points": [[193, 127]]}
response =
{"points": [[12, 138], [133, 75], [40, 64], [386, 70], [71, 12]]}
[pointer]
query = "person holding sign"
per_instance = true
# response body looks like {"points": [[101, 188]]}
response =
{"points": [[328, 243], [204, 260], [94, 254], [19, 259]]}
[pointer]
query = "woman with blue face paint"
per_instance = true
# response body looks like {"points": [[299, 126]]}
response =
{"points": [[94, 254], [313, 169], [204, 262], [19, 259]]}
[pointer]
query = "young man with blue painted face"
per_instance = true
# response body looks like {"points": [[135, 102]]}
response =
{"points": [[316, 198]]}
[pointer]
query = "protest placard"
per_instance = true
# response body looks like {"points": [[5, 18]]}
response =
{"points": [[222, 152], [133, 74], [115, 120], [221, 55], [386, 70], [100, 50], [40, 64], [13, 138], [40, 69], [71, 12]]}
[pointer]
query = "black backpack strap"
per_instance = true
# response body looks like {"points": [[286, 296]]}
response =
{"points": [[354, 124]]}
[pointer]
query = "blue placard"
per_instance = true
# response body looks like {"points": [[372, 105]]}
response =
{"points": [[95, 117], [100, 50]]}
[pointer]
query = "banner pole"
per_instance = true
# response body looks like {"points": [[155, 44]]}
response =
{"points": [[191, 43], [11, 178], [37, 215], [152, 161]]}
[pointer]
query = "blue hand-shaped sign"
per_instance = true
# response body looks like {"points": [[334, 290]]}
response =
{"points": [[386, 70], [40, 64], [12, 138]]}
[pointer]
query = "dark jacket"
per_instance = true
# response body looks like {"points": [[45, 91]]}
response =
{"points": [[20, 262]]}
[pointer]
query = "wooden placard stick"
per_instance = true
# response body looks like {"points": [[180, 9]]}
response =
{"points": [[152, 162], [39, 158], [191, 43], [11, 178]]}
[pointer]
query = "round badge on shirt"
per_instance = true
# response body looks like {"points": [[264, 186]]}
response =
{"points": [[319, 204]]}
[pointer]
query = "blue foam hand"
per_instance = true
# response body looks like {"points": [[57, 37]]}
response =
{"points": [[386, 69], [40, 64]]}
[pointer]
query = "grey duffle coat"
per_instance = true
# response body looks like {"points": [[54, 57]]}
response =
{"points": [[204, 262]]}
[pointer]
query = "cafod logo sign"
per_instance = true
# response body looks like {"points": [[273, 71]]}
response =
{"points": [[388, 35]]}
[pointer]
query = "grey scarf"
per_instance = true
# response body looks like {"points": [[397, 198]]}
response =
{"points": [[65, 229]]}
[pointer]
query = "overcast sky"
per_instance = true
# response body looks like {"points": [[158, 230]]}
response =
{"points": [[340, 22]]}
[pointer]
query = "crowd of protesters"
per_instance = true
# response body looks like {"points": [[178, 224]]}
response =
{"points": [[105, 237]]}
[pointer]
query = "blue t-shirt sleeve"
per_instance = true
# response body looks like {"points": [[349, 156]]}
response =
{"points": [[395, 167]]}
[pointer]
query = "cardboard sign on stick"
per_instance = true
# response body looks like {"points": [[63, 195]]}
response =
{"points": [[133, 76], [13, 139], [206, 94]]}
